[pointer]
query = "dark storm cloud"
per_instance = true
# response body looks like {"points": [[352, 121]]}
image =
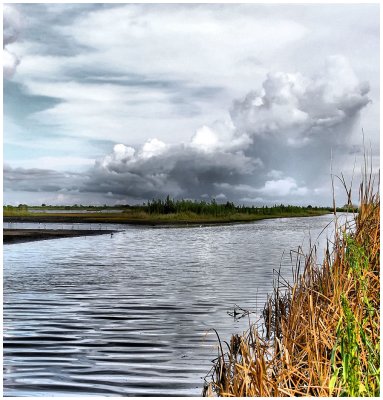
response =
{"points": [[113, 76], [297, 123], [39, 180], [157, 170], [278, 144]]}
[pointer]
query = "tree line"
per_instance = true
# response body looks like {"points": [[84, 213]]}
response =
{"points": [[173, 206]]}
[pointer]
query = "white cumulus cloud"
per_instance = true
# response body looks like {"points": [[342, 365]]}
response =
{"points": [[151, 85], [153, 147], [295, 108], [282, 187]]}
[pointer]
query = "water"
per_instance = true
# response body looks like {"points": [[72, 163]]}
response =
{"points": [[132, 314]]}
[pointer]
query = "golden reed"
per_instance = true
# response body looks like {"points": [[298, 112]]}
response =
{"points": [[319, 336]]}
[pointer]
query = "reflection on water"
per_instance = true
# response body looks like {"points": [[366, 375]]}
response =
{"points": [[131, 314]]}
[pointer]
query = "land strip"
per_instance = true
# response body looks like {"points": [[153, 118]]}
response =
{"points": [[153, 220], [11, 236]]}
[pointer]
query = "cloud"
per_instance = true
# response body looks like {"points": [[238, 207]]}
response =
{"points": [[296, 109], [275, 174], [157, 169], [11, 31], [64, 163], [121, 111], [147, 90], [11, 24], [258, 153], [295, 123], [282, 188], [10, 63], [127, 71], [221, 135], [39, 180], [153, 147], [170, 31], [271, 189]]}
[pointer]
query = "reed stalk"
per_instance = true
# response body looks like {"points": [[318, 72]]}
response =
{"points": [[319, 335]]}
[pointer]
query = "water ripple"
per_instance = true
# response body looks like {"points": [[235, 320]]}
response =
{"points": [[133, 315]]}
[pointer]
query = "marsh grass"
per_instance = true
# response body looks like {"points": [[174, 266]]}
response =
{"points": [[320, 335], [141, 216]]}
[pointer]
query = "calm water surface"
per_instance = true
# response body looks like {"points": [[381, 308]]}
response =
{"points": [[132, 314]]}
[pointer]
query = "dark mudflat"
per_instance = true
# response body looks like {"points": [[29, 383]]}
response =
{"points": [[28, 235]]}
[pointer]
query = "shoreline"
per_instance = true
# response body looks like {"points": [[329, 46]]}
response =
{"points": [[108, 219], [11, 236], [319, 335]]}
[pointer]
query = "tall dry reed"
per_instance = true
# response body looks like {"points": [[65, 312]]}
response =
{"points": [[319, 336]]}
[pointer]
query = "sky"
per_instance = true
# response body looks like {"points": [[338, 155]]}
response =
{"points": [[250, 103]]}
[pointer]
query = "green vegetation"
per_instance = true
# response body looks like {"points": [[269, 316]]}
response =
{"points": [[20, 210], [170, 206], [320, 335], [161, 211]]}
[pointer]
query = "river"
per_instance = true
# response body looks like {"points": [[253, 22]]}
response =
{"points": [[132, 314]]}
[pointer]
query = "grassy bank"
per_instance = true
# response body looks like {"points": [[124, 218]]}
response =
{"points": [[159, 212], [319, 336], [145, 218]]}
